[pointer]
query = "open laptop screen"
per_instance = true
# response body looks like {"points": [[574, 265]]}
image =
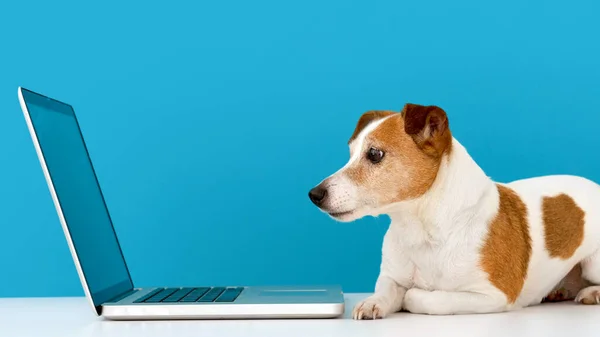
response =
{"points": [[79, 196]]}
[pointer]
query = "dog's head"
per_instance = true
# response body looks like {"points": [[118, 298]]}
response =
{"points": [[394, 157]]}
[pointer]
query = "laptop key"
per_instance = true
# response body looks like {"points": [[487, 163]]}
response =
{"points": [[162, 295], [195, 294], [148, 295], [178, 295], [212, 294], [230, 294]]}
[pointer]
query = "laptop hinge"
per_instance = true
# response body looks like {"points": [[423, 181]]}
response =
{"points": [[121, 296]]}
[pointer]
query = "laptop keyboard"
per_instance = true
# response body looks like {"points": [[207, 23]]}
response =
{"points": [[188, 295]]}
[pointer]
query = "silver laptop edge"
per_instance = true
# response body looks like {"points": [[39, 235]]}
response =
{"points": [[61, 216], [253, 302]]}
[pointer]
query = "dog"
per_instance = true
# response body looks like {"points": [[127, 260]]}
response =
{"points": [[458, 242]]}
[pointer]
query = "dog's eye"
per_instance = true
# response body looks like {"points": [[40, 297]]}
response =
{"points": [[375, 155]]}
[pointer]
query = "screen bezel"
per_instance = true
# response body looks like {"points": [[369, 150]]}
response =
{"points": [[106, 294]]}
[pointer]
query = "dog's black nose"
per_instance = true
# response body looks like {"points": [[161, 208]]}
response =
{"points": [[317, 195]]}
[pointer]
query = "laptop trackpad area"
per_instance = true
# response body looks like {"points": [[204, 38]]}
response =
{"points": [[293, 293]]}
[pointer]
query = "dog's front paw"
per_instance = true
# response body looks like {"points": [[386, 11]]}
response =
{"points": [[371, 308]]}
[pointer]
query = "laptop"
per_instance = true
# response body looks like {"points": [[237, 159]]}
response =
{"points": [[98, 257]]}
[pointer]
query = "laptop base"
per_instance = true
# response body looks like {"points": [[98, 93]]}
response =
{"points": [[253, 303]]}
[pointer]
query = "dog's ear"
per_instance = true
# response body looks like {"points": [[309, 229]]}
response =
{"points": [[429, 128], [366, 119]]}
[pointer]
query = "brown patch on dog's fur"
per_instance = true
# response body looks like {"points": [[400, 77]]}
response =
{"points": [[428, 125], [563, 225], [568, 288], [507, 250], [406, 172], [366, 119]]}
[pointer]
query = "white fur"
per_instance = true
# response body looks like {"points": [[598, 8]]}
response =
{"points": [[431, 251]]}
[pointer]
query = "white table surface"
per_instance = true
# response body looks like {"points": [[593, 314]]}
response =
{"points": [[65, 317]]}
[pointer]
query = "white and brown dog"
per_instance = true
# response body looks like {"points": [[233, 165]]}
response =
{"points": [[459, 242]]}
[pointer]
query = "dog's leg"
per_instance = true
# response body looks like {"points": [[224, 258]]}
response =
{"points": [[387, 299], [449, 303], [395, 276], [590, 271]]}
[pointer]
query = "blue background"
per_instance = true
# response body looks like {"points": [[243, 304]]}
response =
{"points": [[208, 122]]}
